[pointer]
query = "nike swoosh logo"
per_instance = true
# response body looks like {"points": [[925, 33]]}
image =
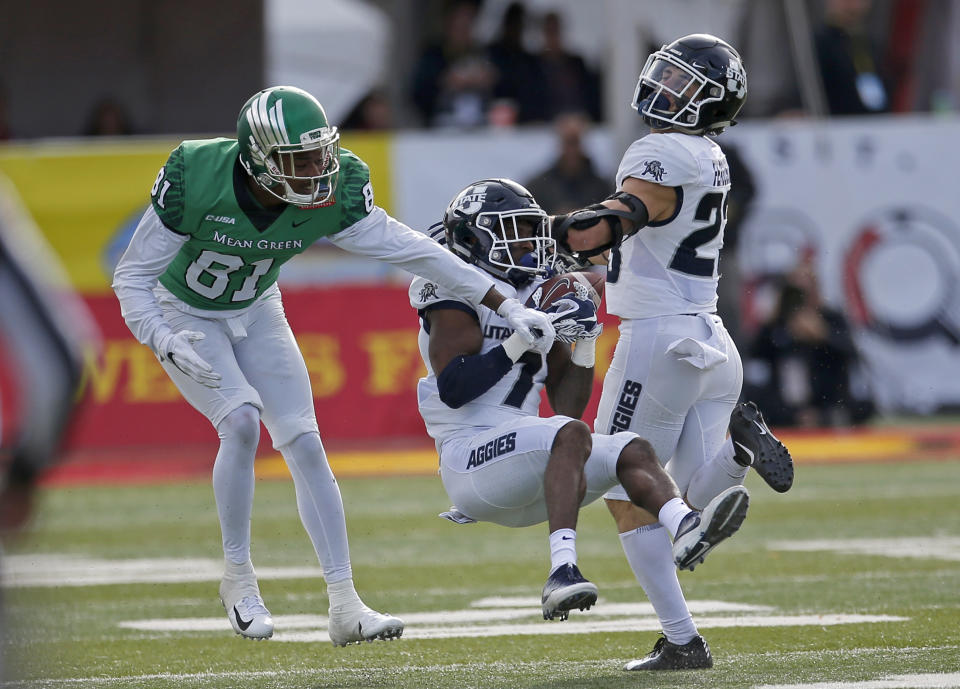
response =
{"points": [[298, 224], [694, 554], [745, 449], [760, 429], [240, 623], [565, 538]]}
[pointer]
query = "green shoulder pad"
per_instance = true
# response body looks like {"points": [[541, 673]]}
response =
{"points": [[167, 194], [356, 192]]}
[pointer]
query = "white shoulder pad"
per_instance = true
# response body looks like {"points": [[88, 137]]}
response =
{"points": [[661, 159]]}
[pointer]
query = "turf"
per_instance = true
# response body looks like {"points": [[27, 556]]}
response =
{"points": [[896, 528]]}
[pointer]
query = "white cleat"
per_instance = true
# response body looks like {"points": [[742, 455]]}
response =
{"points": [[355, 624], [240, 596], [701, 533]]}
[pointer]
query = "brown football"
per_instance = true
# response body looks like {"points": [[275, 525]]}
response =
{"points": [[579, 284]]}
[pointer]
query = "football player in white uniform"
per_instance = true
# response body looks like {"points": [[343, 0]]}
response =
{"points": [[676, 374], [500, 461]]}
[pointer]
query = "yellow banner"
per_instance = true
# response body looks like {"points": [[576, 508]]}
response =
{"points": [[86, 196]]}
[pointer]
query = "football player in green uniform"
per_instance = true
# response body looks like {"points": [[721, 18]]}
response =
{"points": [[198, 285]]}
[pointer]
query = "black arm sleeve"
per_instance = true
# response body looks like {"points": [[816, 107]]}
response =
{"points": [[465, 378]]}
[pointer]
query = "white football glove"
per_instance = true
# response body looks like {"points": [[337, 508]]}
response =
{"points": [[532, 325], [177, 348]]}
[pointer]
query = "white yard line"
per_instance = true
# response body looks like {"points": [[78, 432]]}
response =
{"points": [[917, 681], [933, 548], [948, 680], [58, 569]]}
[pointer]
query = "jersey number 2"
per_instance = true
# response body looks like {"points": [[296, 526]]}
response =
{"points": [[685, 259]]}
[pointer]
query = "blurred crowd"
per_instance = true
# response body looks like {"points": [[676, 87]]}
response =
{"points": [[823, 57]]}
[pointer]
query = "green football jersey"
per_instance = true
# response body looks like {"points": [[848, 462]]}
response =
{"points": [[235, 246]]}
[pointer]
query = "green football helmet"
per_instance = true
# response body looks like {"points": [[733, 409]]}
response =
{"points": [[288, 146]]}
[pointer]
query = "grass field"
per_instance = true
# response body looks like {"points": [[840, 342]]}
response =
{"points": [[852, 579]]}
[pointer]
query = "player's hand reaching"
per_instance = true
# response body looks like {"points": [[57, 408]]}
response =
{"points": [[177, 348], [532, 325]]}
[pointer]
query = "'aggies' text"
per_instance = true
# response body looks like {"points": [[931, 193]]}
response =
{"points": [[626, 406], [495, 448]]}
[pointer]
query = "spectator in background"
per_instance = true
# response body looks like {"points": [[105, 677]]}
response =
{"points": [[453, 80], [571, 181], [373, 113], [108, 118], [570, 84], [851, 70], [520, 79], [800, 364]]}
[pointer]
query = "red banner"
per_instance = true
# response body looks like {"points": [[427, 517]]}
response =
{"points": [[360, 346]]}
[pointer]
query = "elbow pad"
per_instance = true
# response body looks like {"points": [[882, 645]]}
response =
{"points": [[589, 217]]}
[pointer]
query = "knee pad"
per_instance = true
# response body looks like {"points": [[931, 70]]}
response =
{"points": [[241, 425]]}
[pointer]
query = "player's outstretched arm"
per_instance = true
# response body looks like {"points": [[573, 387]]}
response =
{"points": [[591, 231], [385, 238]]}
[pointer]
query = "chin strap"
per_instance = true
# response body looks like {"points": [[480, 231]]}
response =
{"points": [[590, 216]]}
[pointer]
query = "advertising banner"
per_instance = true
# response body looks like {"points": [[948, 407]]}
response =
{"points": [[360, 347]]}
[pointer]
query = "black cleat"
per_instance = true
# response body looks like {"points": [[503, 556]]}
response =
{"points": [[701, 532], [566, 590], [693, 655], [754, 445]]}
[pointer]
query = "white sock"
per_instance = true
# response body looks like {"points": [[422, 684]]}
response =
{"points": [[563, 548], [650, 555], [319, 504], [715, 476], [672, 513], [342, 594], [233, 480], [238, 569]]}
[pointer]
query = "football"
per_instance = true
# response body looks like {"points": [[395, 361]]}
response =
{"points": [[582, 285]]}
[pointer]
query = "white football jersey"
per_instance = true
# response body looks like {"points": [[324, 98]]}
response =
{"points": [[670, 267], [516, 394]]}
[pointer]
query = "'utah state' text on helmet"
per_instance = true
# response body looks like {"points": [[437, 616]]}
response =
{"points": [[489, 220], [288, 146], [696, 84]]}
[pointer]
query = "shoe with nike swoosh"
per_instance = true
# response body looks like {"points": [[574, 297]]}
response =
{"points": [[701, 532], [355, 623], [693, 655], [240, 596], [565, 590], [755, 445]]}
